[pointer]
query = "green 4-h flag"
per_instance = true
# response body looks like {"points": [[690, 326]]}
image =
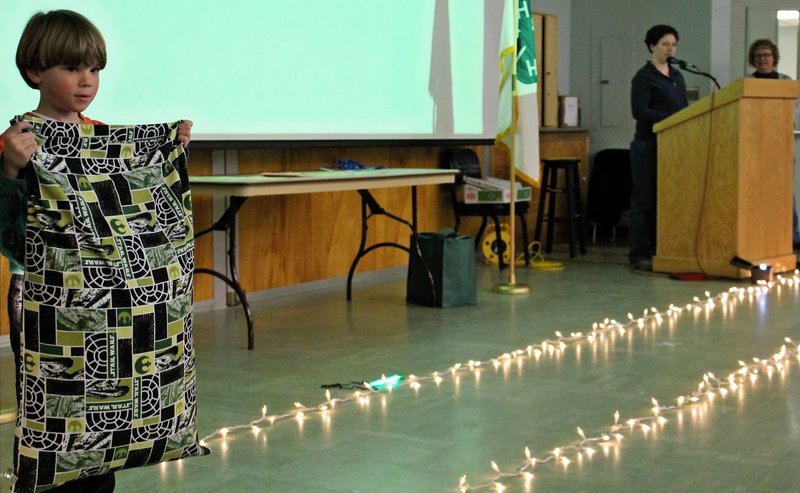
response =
{"points": [[518, 81]]}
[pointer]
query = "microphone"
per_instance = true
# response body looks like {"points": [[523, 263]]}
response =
{"points": [[681, 63], [690, 68]]}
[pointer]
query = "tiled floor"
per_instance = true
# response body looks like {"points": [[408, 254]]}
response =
{"points": [[425, 440]]}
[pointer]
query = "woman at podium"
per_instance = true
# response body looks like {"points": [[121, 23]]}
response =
{"points": [[658, 90]]}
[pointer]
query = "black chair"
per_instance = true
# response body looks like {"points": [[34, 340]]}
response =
{"points": [[609, 194], [466, 161]]}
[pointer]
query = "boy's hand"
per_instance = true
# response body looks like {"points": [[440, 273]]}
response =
{"points": [[185, 132], [18, 147]]}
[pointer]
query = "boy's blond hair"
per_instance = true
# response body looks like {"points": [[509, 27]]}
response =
{"points": [[59, 37]]}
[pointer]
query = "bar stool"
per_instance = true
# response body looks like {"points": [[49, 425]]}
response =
{"points": [[549, 191]]}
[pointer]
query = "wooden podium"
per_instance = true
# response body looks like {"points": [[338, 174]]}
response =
{"points": [[725, 181]]}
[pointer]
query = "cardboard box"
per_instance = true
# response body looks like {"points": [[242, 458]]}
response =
{"points": [[493, 191], [568, 111]]}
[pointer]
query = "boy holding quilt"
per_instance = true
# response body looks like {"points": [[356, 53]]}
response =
{"points": [[96, 223]]}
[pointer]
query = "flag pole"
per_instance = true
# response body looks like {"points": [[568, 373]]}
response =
{"points": [[511, 287]]}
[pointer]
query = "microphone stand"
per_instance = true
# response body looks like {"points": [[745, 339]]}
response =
{"points": [[691, 69], [697, 71]]}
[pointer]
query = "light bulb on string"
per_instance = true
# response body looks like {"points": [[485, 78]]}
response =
{"points": [[709, 387], [548, 348]]}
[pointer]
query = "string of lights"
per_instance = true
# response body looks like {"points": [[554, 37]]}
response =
{"points": [[547, 348], [709, 388]]}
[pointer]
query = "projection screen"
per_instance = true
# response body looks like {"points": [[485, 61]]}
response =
{"points": [[286, 70]]}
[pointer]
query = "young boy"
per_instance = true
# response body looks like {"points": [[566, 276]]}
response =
{"points": [[60, 54]]}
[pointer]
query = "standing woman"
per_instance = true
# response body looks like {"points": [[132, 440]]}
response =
{"points": [[658, 91]]}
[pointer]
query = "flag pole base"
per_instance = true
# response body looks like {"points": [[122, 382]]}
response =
{"points": [[511, 288]]}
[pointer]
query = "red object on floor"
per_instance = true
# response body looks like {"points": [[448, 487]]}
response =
{"points": [[691, 276]]}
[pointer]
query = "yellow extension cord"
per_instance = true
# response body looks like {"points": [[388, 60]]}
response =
{"points": [[490, 250]]}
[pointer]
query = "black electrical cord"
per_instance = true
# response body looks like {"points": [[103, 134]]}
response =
{"points": [[353, 385]]}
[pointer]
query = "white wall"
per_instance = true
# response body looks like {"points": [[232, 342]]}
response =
{"points": [[738, 54], [788, 41], [721, 45], [712, 36], [593, 20]]}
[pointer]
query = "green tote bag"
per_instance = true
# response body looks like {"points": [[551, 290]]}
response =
{"points": [[441, 270]]}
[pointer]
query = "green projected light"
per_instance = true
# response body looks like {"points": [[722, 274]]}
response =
{"points": [[386, 382], [283, 69]]}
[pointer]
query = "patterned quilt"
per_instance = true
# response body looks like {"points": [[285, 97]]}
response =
{"points": [[108, 373]]}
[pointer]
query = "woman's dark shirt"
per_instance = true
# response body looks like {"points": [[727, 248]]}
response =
{"points": [[654, 96]]}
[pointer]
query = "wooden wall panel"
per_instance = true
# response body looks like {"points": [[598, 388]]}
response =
{"points": [[299, 238], [286, 240], [550, 79], [200, 164]]}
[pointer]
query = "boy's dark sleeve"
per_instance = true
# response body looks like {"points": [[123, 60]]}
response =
{"points": [[12, 220]]}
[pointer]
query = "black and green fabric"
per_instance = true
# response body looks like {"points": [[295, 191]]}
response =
{"points": [[108, 372]]}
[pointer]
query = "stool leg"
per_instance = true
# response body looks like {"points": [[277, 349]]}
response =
{"points": [[579, 202], [551, 209], [570, 210]]}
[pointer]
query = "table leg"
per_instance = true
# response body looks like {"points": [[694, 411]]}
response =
{"points": [[368, 203], [414, 210], [227, 223]]}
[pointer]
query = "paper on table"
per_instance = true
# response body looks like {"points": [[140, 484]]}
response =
{"points": [[281, 174]]}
